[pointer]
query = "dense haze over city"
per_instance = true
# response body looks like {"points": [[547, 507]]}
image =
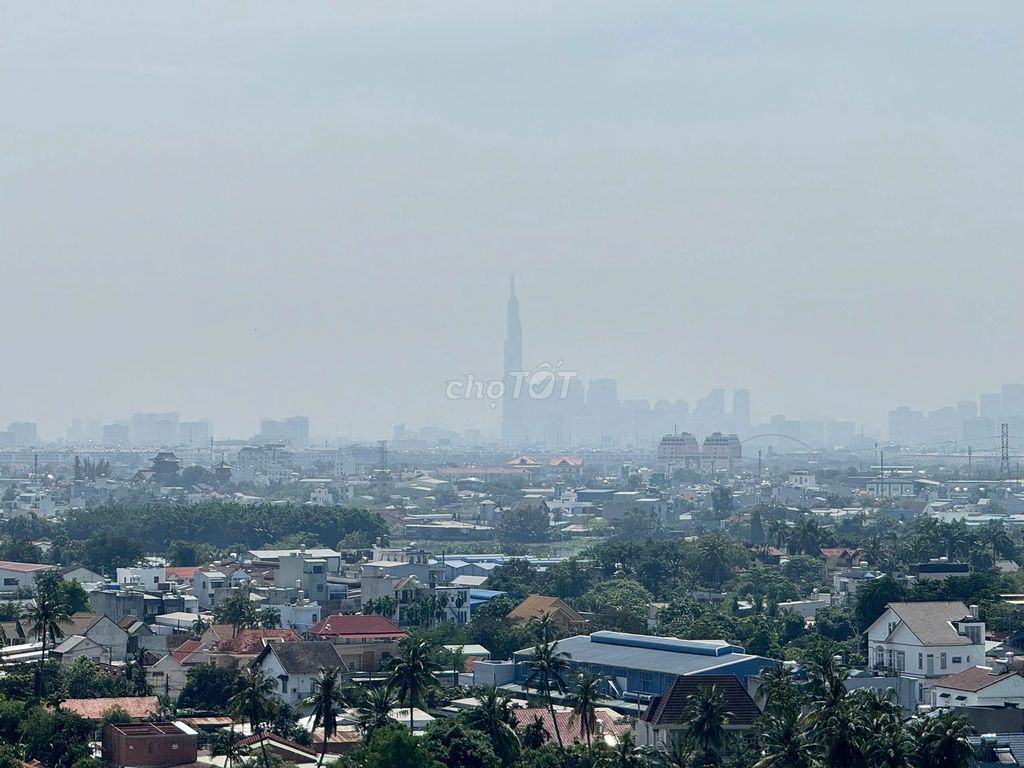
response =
{"points": [[237, 214], [511, 385]]}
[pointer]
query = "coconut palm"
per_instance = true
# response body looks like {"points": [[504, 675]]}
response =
{"points": [[494, 717], [624, 755], [254, 703], [784, 742], [942, 741], [806, 536], [237, 610], [842, 732], [548, 667], [374, 709], [827, 683], [707, 715], [890, 744], [776, 689], [198, 627], [45, 617], [327, 696], [268, 618], [675, 753], [413, 673], [544, 628], [584, 700]]}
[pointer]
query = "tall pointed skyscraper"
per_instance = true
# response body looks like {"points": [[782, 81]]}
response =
{"points": [[512, 426]]}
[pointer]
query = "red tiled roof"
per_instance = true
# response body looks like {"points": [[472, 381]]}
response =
{"points": [[253, 640], [138, 707], [9, 565], [569, 724], [356, 625], [839, 551], [973, 679], [186, 649], [183, 572]]}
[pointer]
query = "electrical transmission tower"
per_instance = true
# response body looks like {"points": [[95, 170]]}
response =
{"points": [[1004, 454]]}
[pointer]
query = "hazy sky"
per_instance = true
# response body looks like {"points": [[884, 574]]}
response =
{"points": [[246, 209]]}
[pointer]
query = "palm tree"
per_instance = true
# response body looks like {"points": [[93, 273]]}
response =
{"points": [[254, 703], [326, 696], [827, 683], [707, 716], [198, 627], [548, 667], [45, 617], [374, 709], [544, 628], [268, 618], [494, 717], [584, 700], [784, 742], [227, 744], [237, 610], [890, 745], [942, 741], [135, 673], [776, 689], [806, 536], [843, 733], [624, 755], [413, 673], [676, 753]]}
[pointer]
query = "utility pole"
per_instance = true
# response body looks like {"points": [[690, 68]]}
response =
{"points": [[1004, 459], [970, 461]]}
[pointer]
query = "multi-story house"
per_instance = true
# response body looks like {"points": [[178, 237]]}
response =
{"points": [[926, 641]]}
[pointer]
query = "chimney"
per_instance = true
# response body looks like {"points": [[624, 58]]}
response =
{"points": [[974, 611]]}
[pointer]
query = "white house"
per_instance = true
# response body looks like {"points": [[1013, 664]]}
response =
{"points": [[20, 577], [147, 577], [979, 687], [76, 646], [801, 478], [295, 665], [926, 640]]}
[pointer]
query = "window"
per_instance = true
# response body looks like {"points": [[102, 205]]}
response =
{"points": [[284, 686], [920, 661], [901, 660], [958, 659], [942, 661], [879, 657], [10, 582]]}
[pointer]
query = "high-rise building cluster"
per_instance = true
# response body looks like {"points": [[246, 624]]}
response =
{"points": [[975, 423]]}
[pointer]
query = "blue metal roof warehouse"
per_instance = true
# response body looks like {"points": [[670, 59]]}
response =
{"points": [[631, 664]]}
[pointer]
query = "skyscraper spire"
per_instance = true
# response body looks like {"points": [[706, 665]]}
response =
{"points": [[511, 409], [513, 332]]}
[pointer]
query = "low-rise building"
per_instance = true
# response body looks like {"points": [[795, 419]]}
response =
{"points": [[636, 667], [364, 642], [534, 607], [979, 687], [664, 720], [925, 641], [295, 665], [20, 578], [149, 745]]}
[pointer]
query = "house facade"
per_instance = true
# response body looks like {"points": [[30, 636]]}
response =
{"points": [[979, 687], [295, 666], [926, 641]]}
